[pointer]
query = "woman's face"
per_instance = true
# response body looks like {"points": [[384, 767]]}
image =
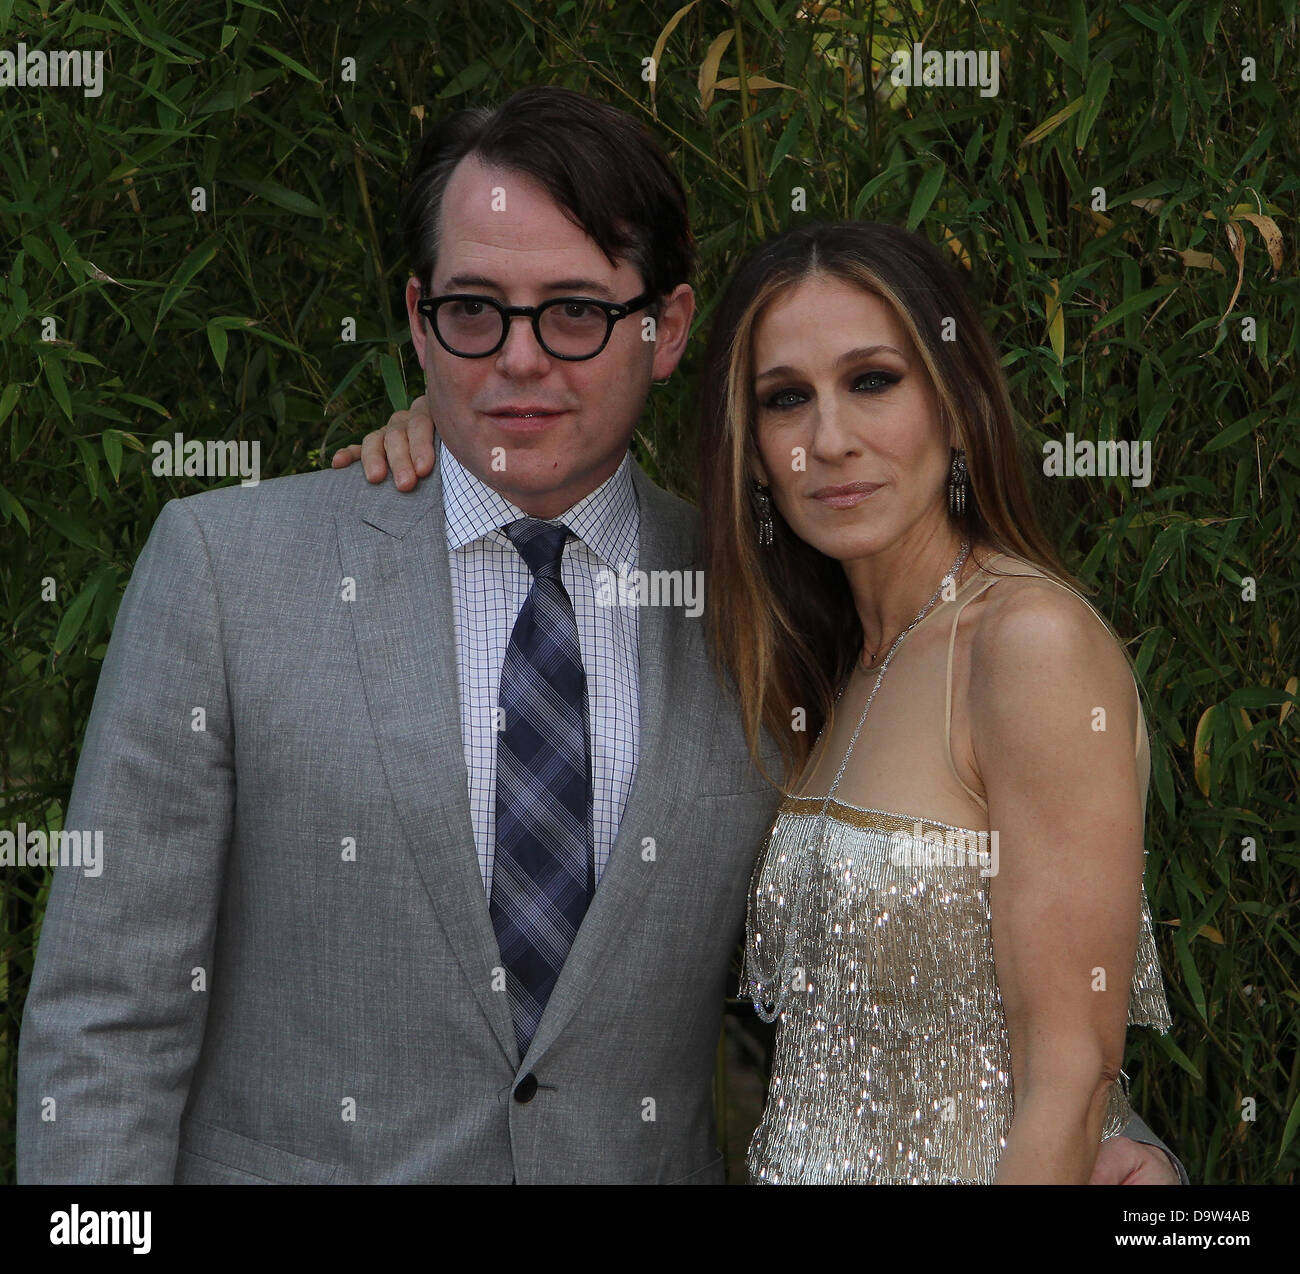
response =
{"points": [[848, 427]]}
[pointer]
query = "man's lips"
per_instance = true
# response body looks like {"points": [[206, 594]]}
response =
{"points": [[846, 496], [526, 409], [524, 418]]}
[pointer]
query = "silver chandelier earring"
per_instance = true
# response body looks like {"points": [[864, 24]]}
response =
{"points": [[763, 502], [957, 483]]}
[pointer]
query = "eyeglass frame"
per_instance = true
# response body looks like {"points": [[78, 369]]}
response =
{"points": [[614, 311]]}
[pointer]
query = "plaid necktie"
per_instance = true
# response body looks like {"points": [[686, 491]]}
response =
{"points": [[541, 873]]}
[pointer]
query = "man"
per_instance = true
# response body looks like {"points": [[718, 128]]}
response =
{"points": [[420, 864]]}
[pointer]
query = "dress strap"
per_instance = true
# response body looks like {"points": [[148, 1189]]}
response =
{"points": [[947, 694]]}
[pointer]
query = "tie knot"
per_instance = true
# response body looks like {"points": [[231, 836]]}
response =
{"points": [[540, 544]]}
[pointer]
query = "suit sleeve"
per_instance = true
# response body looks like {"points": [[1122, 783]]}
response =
{"points": [[1136, 1130], [116, 1010]]}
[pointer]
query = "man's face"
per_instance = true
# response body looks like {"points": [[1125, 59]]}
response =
{"points": [[542, 431]]}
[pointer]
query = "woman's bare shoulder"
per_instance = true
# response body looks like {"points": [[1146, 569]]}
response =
{"points": [[1028, 621]]}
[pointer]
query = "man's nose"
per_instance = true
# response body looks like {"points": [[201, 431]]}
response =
{"points": [[522, 354]]}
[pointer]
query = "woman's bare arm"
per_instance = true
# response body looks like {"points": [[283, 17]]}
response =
{"points": [[1052, 712]]}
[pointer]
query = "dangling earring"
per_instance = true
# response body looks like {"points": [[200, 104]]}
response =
{"points": [[763, 502], [957, 483]]}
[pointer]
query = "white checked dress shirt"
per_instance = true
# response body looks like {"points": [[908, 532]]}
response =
{"points": [[489, 582]]}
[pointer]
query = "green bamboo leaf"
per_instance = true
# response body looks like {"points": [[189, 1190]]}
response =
{"points": [[1095, 95], [90, 462], [471, 77], [185, 273], [1062, 50], [285, 60], [1288, 1133], [66, 525], [1150, 20], [1171, 1050], [75, 615], [1191, 978], [7, 399], [398, 397], [885, 177], [351, 374], [1257, 697], [926, 189], [273, 192], [789, 136], [1132, 304], [1053, 122], [1233, 433], [112, 444], [218, 339], [58, 386], [11, 507], [1034, 198]]}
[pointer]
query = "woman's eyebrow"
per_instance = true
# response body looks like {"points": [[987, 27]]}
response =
{"points": [[849, 356]]}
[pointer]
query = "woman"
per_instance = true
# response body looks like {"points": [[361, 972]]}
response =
{"points": [[897, 590], [948, 911]]}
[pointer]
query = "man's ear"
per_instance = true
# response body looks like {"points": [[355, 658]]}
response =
{"points": [[671, 329], [420, 332]]}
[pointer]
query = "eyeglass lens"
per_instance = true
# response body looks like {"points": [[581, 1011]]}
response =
{"points": [[474, 327]]}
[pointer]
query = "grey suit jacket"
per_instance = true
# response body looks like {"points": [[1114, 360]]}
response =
{"points": [[286, 970]]}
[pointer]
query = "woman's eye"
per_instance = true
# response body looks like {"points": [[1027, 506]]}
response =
{"points": [[878, 382], [778, 401]]}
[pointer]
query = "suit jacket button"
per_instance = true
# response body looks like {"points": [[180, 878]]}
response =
{"points": [[526, 1088]]}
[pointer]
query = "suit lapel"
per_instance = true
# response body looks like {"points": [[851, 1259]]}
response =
{"points": [[394, 547]]}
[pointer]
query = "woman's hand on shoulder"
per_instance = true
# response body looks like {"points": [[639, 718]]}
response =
{"points": [[405, 445]]}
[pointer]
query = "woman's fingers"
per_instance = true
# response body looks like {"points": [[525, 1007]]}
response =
{"points": [[392, 440], [419, 434], [404, 446]]}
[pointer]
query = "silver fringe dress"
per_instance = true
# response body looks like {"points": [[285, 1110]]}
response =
{"points": [[892, 1063]]}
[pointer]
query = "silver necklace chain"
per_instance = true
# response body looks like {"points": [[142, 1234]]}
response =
{"points": [[786, 963]]}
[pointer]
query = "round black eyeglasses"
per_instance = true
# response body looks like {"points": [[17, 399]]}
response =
{"points": [[568, 327]]}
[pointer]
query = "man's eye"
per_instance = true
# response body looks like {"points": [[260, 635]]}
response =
{"points": [[467, 309], [579, 310]]}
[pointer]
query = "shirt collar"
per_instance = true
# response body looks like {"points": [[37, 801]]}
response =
{"points": [[607, 520]]}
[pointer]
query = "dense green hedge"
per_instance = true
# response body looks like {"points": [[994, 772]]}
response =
{"points": [[128, 316]]}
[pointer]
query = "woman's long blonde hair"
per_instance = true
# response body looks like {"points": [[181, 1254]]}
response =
{"points": [[781, 621]]}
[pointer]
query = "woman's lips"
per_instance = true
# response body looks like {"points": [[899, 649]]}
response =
{"points": [[845, 497]]}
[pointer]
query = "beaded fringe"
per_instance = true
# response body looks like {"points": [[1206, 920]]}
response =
{"points": [[892, 1063]]}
